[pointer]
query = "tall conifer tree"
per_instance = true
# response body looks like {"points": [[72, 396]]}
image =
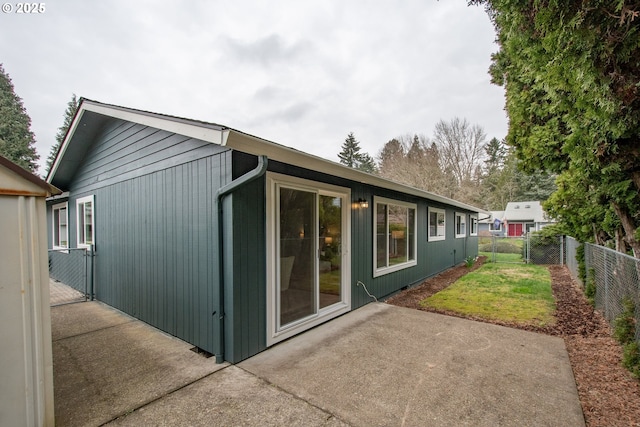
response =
{"points": [[17, 142], [70, 112]]}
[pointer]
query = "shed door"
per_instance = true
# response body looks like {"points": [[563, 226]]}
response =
{"points": [[309, 266]]}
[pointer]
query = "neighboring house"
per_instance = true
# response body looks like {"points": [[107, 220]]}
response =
{"points": [[517, 219], [491, 224], [523, 217], [234, 243]]}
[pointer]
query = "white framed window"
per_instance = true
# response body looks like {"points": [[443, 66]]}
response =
{"points": [[473, 225], [85, 218], [437, 224], [461, 225], [394, 239], [60, 226]]}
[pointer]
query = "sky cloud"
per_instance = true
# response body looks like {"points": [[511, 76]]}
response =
{"points": [[303, 74]]}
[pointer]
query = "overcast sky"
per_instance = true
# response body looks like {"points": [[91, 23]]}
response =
{"points": [[300, 73]]}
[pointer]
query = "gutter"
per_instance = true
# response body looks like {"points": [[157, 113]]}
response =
{"points": [[253, 174]]}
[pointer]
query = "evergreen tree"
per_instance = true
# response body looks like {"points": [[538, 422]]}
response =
{"points": [[352, 156], [570, 71], [350, 151], [17, 142], [367, 163], [70, 112]]}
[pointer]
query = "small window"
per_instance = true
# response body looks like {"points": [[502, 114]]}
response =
{"points": [[60, 226], [84, 215], [461, 225], [436, 224], [395, 239], [473, 225]]}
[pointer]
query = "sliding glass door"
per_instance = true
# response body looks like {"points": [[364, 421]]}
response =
{"points": [[309, 281]]}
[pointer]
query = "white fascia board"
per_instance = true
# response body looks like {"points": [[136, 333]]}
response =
{"points": [[257, 146], [183, 127], [212, 133], [65, 143]]}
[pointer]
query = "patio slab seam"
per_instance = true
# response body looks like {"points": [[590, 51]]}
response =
{"points": [[290, 393], [163, 396], [92, 331]]}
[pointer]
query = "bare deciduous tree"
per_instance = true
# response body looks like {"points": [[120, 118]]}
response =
{"points": [[461, 147]]}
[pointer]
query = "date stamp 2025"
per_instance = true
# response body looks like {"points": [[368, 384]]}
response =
{"points": [[24, 8]]}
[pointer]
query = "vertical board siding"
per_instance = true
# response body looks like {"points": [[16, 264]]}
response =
{"points": [[248, 296], [154, 249], [154, 226]]}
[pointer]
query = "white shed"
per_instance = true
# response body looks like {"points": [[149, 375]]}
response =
{"points": [[26, 363]]}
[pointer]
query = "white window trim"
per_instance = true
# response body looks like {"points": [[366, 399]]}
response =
{"points": [[79, 202], [54, 208], [386, 270], [276, 334], [473, 225], [464, 221], [436, 238]]}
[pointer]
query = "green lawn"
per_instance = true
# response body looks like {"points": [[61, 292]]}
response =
{"points": [[514, 293], [508, 249]]}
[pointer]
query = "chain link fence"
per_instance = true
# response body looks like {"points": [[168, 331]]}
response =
{"points": [[529, 248], [72, 267], [544, 250], [616, 278]]}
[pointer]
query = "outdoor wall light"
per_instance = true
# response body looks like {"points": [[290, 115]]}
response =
{"points": [[362, 204]]}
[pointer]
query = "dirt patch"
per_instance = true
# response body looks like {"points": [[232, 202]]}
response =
{"points": [[609, 395]]}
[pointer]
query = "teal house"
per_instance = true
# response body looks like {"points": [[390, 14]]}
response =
{"points": [[234, 243]]}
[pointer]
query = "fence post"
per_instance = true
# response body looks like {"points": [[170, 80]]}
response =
{"points": [[561, 250], [90, 272], [606, 285]]}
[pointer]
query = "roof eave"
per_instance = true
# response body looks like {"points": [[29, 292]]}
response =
{"points": [[257, 146]]}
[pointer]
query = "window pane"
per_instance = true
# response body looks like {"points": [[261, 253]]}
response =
{"points": [[441, 226], [412, 235], [433, 221], [381, 235], [81, 227], [56, 227], [398, 217], [330, 246], [88, 220], [297, 230]]}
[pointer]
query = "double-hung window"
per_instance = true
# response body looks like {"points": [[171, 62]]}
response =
{"points": [[395, 235], [60, 226], [437, 224], [473, 225], [461, 225], [84, 215]]}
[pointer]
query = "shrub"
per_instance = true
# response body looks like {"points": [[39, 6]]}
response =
{"points": [[590, 287], [468, 261], [582, 266], [625, 332], [631, 358], [625, 324]]}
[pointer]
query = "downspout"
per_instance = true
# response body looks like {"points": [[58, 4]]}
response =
{"points": [[220, 194]]}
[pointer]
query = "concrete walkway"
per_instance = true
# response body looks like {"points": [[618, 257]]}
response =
{"points": [[376, 366]]}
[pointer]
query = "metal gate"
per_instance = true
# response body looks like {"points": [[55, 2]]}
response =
{"points": [[73, 267], [529, 248]]}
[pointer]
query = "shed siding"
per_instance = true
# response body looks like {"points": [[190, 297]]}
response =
{"points": [[154, 211]]}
